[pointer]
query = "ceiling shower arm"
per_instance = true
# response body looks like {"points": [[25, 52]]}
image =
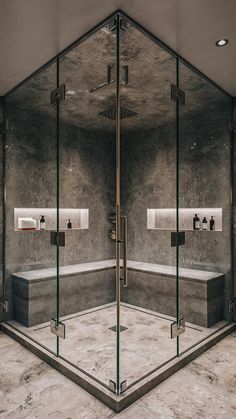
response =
{"points": [[109, 80], [100, 86]]}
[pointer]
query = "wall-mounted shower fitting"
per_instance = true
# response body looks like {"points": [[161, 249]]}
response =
{"points": [[112, 232]]}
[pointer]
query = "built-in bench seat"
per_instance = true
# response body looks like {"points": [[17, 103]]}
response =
{"points": [[153, 286], [87, 285]]}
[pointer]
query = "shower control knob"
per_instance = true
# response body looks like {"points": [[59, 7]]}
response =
{"points": [[113, 218], [112, 234]]}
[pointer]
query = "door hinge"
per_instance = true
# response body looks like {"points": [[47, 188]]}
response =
{"points": [[58, 329], [177, 329], [4, 305], [58, 238], [177, 94], [232, 305], [232, 126], [58, 94], [177, 238]]}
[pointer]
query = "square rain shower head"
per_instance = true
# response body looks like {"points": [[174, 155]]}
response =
{"points": [[111, 113]]}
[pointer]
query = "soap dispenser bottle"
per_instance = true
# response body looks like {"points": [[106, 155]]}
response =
{"points": [[69, 224], [204, 223], [196, 222], [212, 223], [42, 223]]}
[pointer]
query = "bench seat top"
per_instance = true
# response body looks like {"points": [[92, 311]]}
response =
{"points": [[82, 268]]}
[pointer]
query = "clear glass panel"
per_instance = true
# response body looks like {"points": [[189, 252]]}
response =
{"points": [[87, 202], [204, 190], [148, 195], [31, 194]]}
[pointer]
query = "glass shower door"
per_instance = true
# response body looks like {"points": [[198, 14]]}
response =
{"points": [[87, 206], [30, 207], [148, 205], [205, 207]]}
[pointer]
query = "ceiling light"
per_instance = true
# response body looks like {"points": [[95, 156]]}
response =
{"points": [[222, 42], [70, 92]]}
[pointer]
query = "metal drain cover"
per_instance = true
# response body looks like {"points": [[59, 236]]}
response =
{"points": [[122, 328]]}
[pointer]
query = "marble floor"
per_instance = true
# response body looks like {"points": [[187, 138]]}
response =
{"points": [[90, 343], [30, 389]]}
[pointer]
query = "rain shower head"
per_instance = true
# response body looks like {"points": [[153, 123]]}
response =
{"points": [[111, 113]]}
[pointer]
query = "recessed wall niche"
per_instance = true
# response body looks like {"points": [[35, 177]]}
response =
{"points": [[79, 218], [165, 218]]}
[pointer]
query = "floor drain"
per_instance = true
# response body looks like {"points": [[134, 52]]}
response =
{"points": [[122, 328]]}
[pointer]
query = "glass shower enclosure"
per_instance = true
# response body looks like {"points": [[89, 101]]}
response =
{"points": [[117, 245]]}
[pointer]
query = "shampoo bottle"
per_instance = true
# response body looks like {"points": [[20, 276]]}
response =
{"points": [[212, 223], [42, 223], [69, 224], [196, 222], [204, 223]]}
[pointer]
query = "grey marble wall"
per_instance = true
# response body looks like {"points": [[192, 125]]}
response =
{"points": [[149, 181], [1, 192], [87, 180], [234, 208]]}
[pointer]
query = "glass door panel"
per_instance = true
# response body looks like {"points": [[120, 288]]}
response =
{"points": [[30, 158], [205, 202], [148, 204], [87, 207]]}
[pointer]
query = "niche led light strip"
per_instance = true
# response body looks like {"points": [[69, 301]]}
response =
{"points": [[165, 218], [79, 217]]}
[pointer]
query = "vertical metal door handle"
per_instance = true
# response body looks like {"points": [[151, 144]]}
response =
{"points": [[125, 238]]}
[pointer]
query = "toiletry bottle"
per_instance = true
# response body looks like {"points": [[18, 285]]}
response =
{"points": [[212, 223], [69, 224], [196, 222], [204, 223], [42, 223]]}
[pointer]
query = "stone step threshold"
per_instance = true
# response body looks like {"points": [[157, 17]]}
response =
{"points": [[101, 391], [82, 268]]}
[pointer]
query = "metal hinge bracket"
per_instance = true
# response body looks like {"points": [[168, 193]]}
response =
{"points": [[177, 329], [123, 24], [232, 305], [123, 386], [58, 330], [177, 94], [58, 94], [4, 305], [232, 126], [112, 386], [58, 238], [177, 238]]}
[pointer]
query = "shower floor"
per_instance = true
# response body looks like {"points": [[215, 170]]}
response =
{"points": [[145, 342]]}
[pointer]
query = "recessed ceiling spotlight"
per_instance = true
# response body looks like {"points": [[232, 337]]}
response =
{"points": [[222, 42], [70, 92]]}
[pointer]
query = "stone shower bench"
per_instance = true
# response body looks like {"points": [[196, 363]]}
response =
{"points": [[87, 285]]}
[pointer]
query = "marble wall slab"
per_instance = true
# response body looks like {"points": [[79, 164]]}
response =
{"points": [[1, 195], [87, 180], [234, 208]]}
